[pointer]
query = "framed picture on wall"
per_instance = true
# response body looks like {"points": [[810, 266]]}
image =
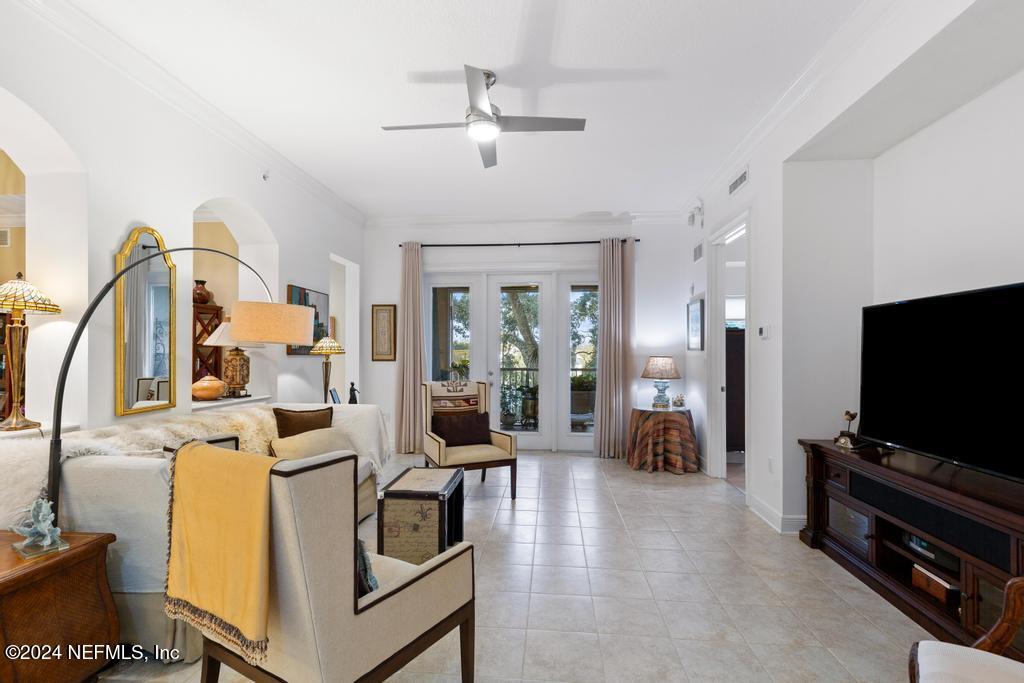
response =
{"points": [[695, 324], [319, 302], [383, 326]]}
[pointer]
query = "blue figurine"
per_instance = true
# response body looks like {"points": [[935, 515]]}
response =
{"points": [[40, 530]]}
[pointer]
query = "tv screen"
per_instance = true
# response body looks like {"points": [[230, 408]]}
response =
{"points": [[944, 376]]}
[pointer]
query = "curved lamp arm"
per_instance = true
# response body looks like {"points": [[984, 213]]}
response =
{"points": [[53, 484]]}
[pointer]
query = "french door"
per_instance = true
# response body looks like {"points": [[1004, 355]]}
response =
{"points": [[532, 337]]}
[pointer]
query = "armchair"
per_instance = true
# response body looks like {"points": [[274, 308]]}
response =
{"points": [[934, 662], [460, 397], [318, 627]]}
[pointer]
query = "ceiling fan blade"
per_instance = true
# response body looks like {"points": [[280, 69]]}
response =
{"points": [[424, 126], [476, 82], [489, 152], [535, 124]]}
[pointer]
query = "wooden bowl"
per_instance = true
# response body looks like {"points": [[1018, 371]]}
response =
{"points": [[209, 388]]}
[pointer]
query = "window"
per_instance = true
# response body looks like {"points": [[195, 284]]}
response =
{"points": [[520, 358], [583, 312], [450, 352]]}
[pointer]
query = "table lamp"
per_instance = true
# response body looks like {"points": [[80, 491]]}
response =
{"points": [[661, 369], [326, 347], [20, 297], [235, 367]]}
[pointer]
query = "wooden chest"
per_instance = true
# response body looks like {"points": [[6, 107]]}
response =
{"points": [[419, 514]]}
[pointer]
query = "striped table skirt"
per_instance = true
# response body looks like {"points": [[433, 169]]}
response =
{"points": [[662, 440]]}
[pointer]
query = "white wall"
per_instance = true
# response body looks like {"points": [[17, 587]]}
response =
{"points": [[661, 295], [947, 201], [148, 162]]}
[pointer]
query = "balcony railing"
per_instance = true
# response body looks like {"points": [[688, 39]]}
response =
{"points": [[519, 405]]}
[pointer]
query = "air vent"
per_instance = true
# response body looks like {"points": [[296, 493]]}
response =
{"points": [[698, 252], [739, 182], [5, 238]]}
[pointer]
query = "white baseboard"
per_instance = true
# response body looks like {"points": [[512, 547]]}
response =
{"points": [[784, 524]]}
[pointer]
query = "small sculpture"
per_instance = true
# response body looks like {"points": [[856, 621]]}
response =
{"points": [[40, 534], [849, 416], [678, 401], [847, 438], [352, 391]]}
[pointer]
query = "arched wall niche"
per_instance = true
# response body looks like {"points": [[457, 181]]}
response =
{"points": [[257, 246], [56, 240]]}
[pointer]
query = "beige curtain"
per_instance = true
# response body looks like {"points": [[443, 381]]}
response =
{"points": [[408, 416], [614, 347]]}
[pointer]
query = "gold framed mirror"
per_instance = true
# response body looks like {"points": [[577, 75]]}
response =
{"points": [[144, 329]]}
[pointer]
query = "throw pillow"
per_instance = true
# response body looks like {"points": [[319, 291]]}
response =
{"points": [[313, 442], [462, 429], [367, 581], [292, 422]]}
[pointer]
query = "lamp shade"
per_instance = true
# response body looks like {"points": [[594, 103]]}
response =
{"points": [[270, 323], [660, 367], [222, 337], [19, 295], [326, 347]]}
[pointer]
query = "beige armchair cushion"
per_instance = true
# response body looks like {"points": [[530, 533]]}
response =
{"points": [[389, 571], [313, 442], [943, 662], [463, 455]]}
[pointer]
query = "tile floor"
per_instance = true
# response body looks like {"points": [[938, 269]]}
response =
{"points": [[598, 573]]}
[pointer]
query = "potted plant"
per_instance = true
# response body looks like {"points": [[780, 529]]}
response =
{"points": [[529, 399], [508, 406], [459, 370], [583, 394]]}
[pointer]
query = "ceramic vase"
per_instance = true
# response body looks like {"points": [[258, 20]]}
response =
{"points": [[200, 294], [209, 388]]}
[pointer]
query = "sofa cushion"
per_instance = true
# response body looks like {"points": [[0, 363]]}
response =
{"points": [[313, 442], [388, 570], [465, 455], [941, 662], [292, 422], [462, 429]]}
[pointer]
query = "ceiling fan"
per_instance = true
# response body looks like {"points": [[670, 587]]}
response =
{"points": [[484, 121]]}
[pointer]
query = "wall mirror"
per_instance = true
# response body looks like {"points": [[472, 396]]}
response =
{"points": [[144, 326]]}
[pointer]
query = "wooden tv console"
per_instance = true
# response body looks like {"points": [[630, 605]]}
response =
{"points": [[863, 504]]}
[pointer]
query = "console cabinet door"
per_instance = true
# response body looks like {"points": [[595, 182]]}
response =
{"points": [[984, 603], [851, 527]]}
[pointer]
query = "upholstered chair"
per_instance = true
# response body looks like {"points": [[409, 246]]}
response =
{"points": [[318, 628], [935, 662], [448, 398]]}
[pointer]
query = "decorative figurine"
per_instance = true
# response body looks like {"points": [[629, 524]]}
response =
{"points": [[40, 534], [352, 391], [847, 438], [678, 401]]}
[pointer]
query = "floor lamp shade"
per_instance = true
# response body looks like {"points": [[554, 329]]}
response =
{"points": [[20, 297], [269, 323], [326, 347]]}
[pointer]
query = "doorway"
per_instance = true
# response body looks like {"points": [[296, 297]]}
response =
{"points": [[728, 303]]}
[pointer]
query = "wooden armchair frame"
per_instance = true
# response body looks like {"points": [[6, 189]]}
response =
{"points": [[1000, 636]]}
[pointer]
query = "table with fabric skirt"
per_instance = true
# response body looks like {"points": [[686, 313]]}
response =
{"points": [[662, 440]]}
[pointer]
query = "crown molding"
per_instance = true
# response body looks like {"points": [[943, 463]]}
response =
{"points": [[107, 46], [852, 34], [440, 221]]}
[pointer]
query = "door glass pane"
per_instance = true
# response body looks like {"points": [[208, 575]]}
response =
{"points": [[449, 357], [520, 358], [990, 608], [582, 357]]}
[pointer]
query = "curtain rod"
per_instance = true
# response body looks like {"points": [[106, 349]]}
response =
{"points": [[517, 244]]}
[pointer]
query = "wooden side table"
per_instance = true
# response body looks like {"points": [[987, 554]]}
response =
{"points": [[662, 440], [59, 599], [419, 514]]}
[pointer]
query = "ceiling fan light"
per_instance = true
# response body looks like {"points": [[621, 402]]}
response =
{"points": [[483, 130]]}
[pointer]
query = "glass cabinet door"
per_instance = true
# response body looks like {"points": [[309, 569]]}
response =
{"points": [[986, 604], [849, 526]]}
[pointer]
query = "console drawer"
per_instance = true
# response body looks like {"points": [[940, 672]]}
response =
{"points": [[837, 475]]}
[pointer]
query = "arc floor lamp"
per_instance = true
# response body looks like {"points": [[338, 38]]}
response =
{"points": [[263, 322]]}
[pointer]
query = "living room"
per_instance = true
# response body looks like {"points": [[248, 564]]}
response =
{"points": [[527, 337]]}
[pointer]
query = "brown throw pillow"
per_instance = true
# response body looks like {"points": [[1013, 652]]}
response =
{"points": [[462, 429], [292, 422]]}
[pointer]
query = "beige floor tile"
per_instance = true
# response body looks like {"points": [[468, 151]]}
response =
{"points": [[502, 610], [628, 616], [509, 504], [559, 535], [564, 504], [618, 583], [510, 533], [641, 658], [663, 540], [560, 555], [599, 520], [560, 581], [700, 541], [441, 658], [801, 664], [683, 587], [741, 589], [607, 537], [770, 625], [706, 620], [516, 517], [553, 656], [719, 661], [643, 522], [505, 553], [562, 613], [881, 665], [558, 518], [499, 652], [659, 560], [511, 578], [611, 557]]}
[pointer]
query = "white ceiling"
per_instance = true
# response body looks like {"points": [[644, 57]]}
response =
{"points": [[668, 87]]}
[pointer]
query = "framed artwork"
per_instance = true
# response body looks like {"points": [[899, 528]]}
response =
{"points": [[319, 302], [695, 325], [383, 327]]}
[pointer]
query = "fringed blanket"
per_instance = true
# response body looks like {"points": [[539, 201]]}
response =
{"points": [[218, 557]]}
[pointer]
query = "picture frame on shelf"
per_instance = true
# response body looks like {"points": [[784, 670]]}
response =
{"points": [[695, 324], [320, 303], [383, 332]]}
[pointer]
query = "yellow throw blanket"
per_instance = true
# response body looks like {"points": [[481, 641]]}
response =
{"points": [[218, 559]]}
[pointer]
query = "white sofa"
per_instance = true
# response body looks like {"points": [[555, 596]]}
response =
{"points": [[124, 490]]}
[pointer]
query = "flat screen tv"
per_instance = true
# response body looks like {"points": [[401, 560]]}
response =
{"points": [[944, 376]]}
